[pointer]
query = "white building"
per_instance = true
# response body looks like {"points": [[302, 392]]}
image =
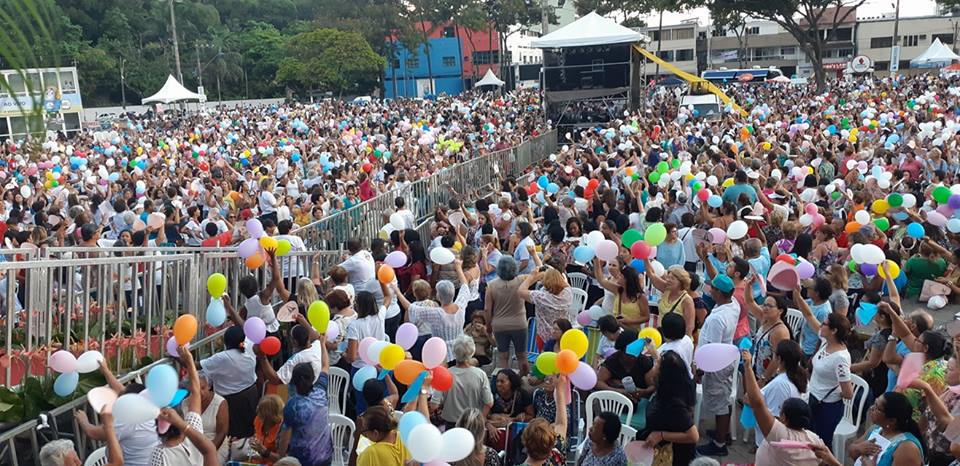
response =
{"points": [[675, 43], [875, 39], [519, 38]]}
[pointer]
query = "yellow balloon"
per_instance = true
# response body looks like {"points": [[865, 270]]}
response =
{"points": [[268, 243], [880, 206], [319, 316], [852, 138], [653, 335], [767, 146], [727, 183], [894, 270], [547, 363], [809, 170], [283, 247], [574, 340], [391, 356]]}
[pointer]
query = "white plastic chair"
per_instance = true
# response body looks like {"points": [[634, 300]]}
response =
{"points": [[579, 280], [337, 390], [795, 321], [850, 423], [97, 458], [627, 434], [579, 302], [609, 401], [341, 433]]}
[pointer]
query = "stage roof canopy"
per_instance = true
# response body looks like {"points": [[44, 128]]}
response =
{"points": [[173, 91], [935, 55], [591, 29]]}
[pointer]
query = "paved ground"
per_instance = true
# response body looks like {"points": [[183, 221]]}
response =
{"points": [[744, 453]]}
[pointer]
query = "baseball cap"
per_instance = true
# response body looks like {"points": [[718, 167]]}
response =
{"points": [[723, 283]]}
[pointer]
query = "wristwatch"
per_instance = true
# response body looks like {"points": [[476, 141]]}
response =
{"points": [[891, 338]]}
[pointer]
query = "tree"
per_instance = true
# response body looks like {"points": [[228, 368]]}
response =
{"points": [[329, 60], [813, 23], [506, 14], [735, 22], [627, 12]]}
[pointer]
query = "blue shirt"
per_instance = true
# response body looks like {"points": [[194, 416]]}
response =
{"points": [[671, 254], [731, 194], [521, 254], [811, 336], [761, 264], [493, 258], [306, 416], [902, 351]]}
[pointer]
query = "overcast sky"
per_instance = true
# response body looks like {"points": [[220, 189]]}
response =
{"points": [[872, 8]]}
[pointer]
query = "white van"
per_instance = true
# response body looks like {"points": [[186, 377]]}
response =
{"points": [[708, 106]]}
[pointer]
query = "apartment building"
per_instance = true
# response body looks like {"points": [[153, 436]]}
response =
{"points": [[875, 39], [675, 43]]}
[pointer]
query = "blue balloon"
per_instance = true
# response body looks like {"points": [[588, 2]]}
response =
{"points": [[714, 201], [552, 188], [747, 418], [408, 421], [178, 398], [953, 225], [915, 230], [162, 383], [832, 129], [900, 216], [414, 389], [295, 157], [216, 313], [66, 383], [746, 344], [638, 265], [583, 254], [866, 312], [363, 375], [543, 181]]}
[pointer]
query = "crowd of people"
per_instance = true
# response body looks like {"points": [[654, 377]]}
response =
{"points": [[816, 237]]}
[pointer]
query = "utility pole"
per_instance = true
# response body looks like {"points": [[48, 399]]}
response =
{"points": [[123, 85], [176, 43], [199, 70], [659, 43], [544, 17], [895, 50]]}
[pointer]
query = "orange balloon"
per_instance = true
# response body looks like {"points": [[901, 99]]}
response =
{"points": [[255, 261], [407, 371], [852, 227], [184, 329], [386, 274], [567, 361]]}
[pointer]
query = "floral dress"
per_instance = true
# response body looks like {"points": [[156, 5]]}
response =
{"points": [[933, 373]]}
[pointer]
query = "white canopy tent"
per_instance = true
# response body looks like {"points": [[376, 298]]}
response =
{"points": [[173, 91], [591, 29], [489, 79], [937, 55]]}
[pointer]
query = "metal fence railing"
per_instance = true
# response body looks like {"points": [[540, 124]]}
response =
{"points": [[469, 178]]}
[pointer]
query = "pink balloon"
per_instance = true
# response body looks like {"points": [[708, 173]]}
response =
{"points": [[607, 250], [248, 248], [396, 259], [584, 318], [172, 347], [333, 332], [717, 235], [811, 208], [936, 218], [63, 362], [434, 352], [584, 377], [365, 345], [783, 276], [714, 357], [255, 329], [946, 210], [254, 228], [805, 270], [910, 369], [162, 426], [407, 335]]}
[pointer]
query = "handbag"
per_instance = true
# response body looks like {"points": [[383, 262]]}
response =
{"points": [[931, 289], [814, 403]]}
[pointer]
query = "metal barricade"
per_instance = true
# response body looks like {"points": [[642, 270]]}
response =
{"points": [[471, 178]]}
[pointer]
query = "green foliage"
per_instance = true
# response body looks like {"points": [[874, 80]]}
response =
{"points": [[35, 395], [329, 60]]}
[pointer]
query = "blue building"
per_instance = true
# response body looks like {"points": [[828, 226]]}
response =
{"points": [[408, 74]]}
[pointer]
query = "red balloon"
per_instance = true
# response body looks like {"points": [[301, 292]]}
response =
{"points": [[592, 184], [442, 379], [532, 189], [367, 167], [786, 258], [703, 194], [640, 250], [270, 346]]}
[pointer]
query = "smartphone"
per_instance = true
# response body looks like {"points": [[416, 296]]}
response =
{"points": [[628, 384]]}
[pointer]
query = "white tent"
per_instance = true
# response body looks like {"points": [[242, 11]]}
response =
{"points": [[935, 56], [591, 29], [489, 79], [173, 91]]}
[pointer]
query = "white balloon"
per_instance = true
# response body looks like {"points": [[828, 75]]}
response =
{"points": [[593, 239], [806, 220], [909, 200], [373, 352], [712, 180], [830, 188], [776, 173], [657, 269], [583, 182], [458, 443], [396, 219], [872, 254], [856, 253], [134, 409], [89, 361], [862, 217], [883, 183], [442, 256], [737, 229], [426, 443]]}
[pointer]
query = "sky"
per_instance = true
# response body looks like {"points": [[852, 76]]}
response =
{"points": [[872, 8]]}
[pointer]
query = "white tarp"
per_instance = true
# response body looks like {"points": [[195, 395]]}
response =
{"points": [[489, 79], [935, 55], [591, 29], [173, 91]]}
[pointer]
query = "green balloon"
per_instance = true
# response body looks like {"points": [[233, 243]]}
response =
{"points": [[697, 186], [882, 223], [675, 163], [636, 176], [941, 194], [852, 265], [630, 236], [654, 177], [895, 200], [663, 167], [655, 234], [835, 195]]}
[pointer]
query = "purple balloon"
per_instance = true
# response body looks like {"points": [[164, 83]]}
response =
{"points": [[584, 378], [255, 329], [805, 270], [248, 248], [407, 335], [396, 259], [172, 347], [954, 202], [868, 270], [254, 228]]}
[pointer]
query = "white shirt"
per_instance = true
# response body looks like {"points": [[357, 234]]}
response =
{"points": [[369, 326], [231, 371], [184, 454], [683, 347], [312, 355], [720, 325], [829, 370], [361, 268], [267, 202], [137, 441], [689, 242], [409, 221], [775, 392], [292, 266], [256, 308]]}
